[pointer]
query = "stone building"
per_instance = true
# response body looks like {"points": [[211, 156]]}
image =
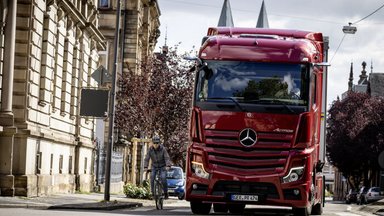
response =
{"points": [[139, 31], [48, 51]]}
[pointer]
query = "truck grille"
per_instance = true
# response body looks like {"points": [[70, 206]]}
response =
{"points": [[266, 190], [268, 156]]}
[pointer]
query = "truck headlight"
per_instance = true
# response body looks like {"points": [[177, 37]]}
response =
{"points": [[294, 174], [198, 169]]}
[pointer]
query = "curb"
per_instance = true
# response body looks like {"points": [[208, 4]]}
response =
{"points": [[21, 205], [97, 206]]}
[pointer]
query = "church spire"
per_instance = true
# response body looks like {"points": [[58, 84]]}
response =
{"points": [[363, 76], [371, 66], [165, 47], [262, 21], [350, 83], [226, 19]]}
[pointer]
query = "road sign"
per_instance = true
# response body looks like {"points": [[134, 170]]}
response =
{"points": [[101, 75], [94, 103]]}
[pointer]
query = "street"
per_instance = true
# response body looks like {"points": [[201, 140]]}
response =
{"points": [[182, 208]]}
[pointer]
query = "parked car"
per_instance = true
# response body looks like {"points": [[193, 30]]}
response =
{"points": [[351, 196], [361, 199], [176, 182], [373, 194]]}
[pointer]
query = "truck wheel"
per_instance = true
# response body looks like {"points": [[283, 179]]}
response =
{"points": [[317, 209], [220, 208], [236, 208], [300, 211], [200, 208]]}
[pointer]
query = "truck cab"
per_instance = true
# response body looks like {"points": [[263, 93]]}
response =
{"points": [[255, 122]]}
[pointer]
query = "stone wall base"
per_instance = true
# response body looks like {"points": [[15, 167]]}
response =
{"points": [[43, 185], [115, 188], [7, 185]]}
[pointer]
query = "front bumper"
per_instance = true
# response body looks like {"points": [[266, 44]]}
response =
{"points": [[268, 190], [176, 191]]}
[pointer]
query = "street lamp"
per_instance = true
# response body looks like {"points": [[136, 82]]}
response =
{"points": [[349, 29]]}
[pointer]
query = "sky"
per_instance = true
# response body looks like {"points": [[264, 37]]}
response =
{"points": [[187, 21]]}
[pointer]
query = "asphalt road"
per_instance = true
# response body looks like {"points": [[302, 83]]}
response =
{"points": [[181, 208]]}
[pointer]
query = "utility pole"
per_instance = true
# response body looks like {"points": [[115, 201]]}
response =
{"points": [[112, 108]]}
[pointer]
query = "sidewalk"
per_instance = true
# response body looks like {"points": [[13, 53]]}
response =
{"points": [[376, 208], [93, 201]]}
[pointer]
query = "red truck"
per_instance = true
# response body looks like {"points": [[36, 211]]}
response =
{"points": [[255, 123]]}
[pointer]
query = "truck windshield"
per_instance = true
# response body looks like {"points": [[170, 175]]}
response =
{"points": [[253, 83]]}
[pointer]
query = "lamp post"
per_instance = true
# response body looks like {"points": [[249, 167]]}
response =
{"points": [[112, 108]]}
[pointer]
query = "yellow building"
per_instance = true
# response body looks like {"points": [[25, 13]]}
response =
{"points": [[48, 50]]}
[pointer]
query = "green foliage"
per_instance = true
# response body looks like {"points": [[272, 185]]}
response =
{"points": [[138, 192]]}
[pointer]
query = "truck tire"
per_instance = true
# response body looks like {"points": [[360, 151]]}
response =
{"points": [[220, 208], [317, 209], [300, 212], [236, 208], [200, 208]]}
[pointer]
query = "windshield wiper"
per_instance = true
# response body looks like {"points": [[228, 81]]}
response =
{"points": [[278, 102], [228, 98]]}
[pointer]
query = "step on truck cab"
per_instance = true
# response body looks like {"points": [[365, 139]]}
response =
{"points": [[255, 122]]}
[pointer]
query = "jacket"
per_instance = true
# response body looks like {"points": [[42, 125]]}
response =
{"points": [[159, 157]]}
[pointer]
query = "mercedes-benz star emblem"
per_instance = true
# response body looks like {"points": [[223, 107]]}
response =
{"points": [[248, 137]]}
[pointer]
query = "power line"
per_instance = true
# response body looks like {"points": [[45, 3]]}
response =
{"points": [[253, 11], [354, 23], [337, 49]]}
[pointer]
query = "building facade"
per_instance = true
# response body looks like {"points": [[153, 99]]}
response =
{"points": [[138, 34], [48, 51]]}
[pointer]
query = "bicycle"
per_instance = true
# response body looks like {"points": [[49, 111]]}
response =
{"points": [[158, 190]]}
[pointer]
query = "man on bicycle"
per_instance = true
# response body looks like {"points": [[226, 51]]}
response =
{"points": [[160, 161]]}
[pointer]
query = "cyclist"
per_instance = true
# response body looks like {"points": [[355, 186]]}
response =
{"points": [[160, 161]]}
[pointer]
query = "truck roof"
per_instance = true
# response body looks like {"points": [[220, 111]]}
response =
{"points": [[266, 45]]}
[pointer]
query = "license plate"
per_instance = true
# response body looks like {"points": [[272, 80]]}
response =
{"points": [[171, 190], [253, 198]]}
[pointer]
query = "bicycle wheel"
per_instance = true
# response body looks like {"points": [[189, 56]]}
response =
{"points": [[159, 195]]}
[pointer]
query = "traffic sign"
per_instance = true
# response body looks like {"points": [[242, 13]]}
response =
{"points": [[101, 75]]}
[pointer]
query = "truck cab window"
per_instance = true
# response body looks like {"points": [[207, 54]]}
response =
{"points": [[254, 83]]}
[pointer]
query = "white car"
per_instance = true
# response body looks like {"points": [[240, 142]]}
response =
{"points": [[374, 194]]}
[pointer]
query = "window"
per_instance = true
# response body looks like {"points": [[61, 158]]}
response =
{"points": [[314, 88], [104, 3], [70, 165], [85, 165], [38, 163], [253, 83], [51, 165], [61, 164]]}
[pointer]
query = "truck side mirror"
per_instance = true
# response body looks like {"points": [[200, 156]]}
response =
{"points": [[207, 72], [319, 166]]}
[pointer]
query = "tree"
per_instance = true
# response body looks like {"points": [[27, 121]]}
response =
{"points": [[354, 137], [158, 100]]}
